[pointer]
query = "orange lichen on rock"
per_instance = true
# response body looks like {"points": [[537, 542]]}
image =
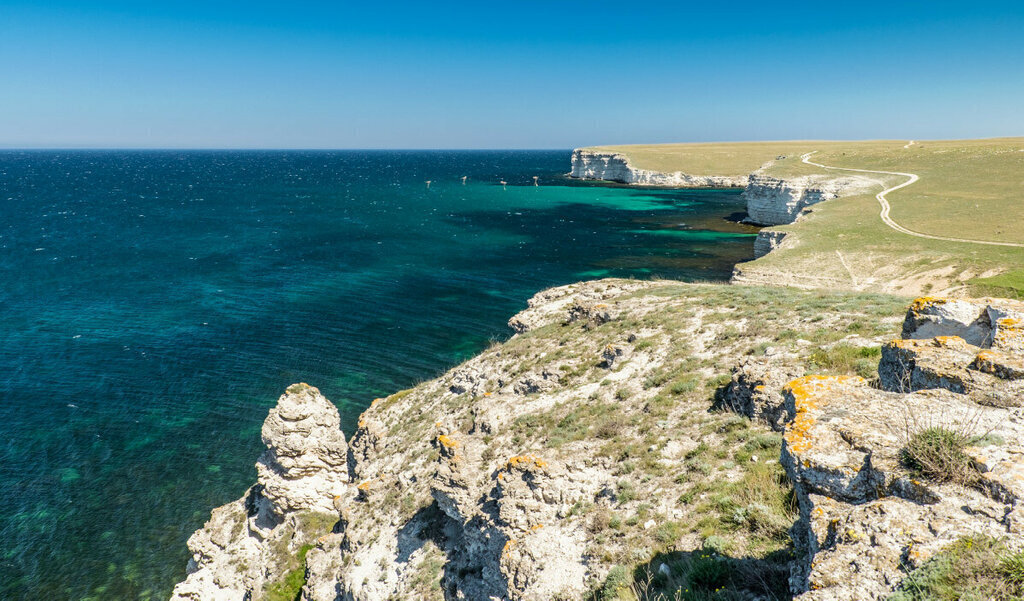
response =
{"points": [[511, 544], [945, 341], [1009, 332], [525, 462], [923, 302], [536, 527], [447, 442], [808, 394]]}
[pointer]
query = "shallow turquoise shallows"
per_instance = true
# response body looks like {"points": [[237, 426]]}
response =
{"points": [[155, 304]]}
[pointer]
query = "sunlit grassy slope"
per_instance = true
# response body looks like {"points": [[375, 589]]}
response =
{"points": [[971, 189]]}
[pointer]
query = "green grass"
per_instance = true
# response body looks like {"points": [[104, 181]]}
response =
{"points": [[1009, 284], [972, 569], [842, 359], [967, 189], [729, 159], [290, 585]]}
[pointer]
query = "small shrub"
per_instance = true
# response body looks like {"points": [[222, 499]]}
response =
{"points": [[616, 585], [625, 492], [937, 453]]}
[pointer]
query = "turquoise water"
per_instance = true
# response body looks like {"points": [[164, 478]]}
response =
{"points": [[155, 304]]}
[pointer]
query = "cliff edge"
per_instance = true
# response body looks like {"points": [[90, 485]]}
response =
{"points": [[643, 438]]}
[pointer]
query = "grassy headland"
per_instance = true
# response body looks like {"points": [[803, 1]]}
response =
{"points": [[969, 189]]}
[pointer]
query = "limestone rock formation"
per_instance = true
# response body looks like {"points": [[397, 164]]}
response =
{"points": [[615, 167], [585, 444], [251, 543], [767, 241], [865, 518], [306, 462], [776, 201]]}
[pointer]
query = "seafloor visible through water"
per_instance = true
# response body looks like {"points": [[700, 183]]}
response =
{"points": [[155, 304]]}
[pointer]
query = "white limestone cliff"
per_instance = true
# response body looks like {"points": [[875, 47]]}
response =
{"points": [[770, 200], [776, 201], [615, 167]]}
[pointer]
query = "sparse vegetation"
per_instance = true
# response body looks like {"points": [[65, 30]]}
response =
{"points": [[978, 568], [289, 586], [842, 359]]}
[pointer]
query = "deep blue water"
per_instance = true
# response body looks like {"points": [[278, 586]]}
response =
{"points": [[154, 305]]}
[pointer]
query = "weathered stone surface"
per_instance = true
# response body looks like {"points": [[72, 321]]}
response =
{"points": [[775, 201], [756, 390], [615, 167], [941, 362], [305, 465], [983, 322], [489, 481], [302, 475], [767, 241], [864, 518], [989, 376]]}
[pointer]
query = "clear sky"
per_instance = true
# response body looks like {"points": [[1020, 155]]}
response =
{"points": [[493, 74]]}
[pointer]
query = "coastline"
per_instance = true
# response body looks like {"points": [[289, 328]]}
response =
{"points": [[504, 477]]}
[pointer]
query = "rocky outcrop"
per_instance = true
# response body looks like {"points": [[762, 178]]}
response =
{"points": [[866, 518], [776, 201], [249, 545], [615, 167], [584, 445], [767, 241]]}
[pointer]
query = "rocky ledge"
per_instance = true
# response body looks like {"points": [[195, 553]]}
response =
{"points": [[643, 438]]}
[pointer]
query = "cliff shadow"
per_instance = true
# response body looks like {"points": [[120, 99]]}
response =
{"points": [[702, 575]]}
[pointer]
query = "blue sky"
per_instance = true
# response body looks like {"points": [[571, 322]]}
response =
{"points": [[518, 74]]}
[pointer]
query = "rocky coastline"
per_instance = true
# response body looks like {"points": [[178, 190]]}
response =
{"points": [[635, 440], [614, 441]]}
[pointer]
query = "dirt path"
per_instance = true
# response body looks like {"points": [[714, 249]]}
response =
{"points": [[911, 178]]}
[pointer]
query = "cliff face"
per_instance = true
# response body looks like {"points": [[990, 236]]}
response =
{"points": [[614, 167], [775, 201], [770, 200], [581, 458]]}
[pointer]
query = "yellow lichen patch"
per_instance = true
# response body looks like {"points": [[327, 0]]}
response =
{"points": [[525, 462], [945, 341], [1009, 331], [809, 394], [901, 343], [922, 303], [448, 442], [366, 484], [362, 422], [376, 400], [536, 527], [759, 388], [511, 544], [601, 306], [488, 393]]}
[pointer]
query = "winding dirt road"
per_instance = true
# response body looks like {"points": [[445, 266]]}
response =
{"points": [[911, 178]]}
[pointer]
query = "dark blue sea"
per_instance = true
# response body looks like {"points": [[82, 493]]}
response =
{"points": [[154, 304]]}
